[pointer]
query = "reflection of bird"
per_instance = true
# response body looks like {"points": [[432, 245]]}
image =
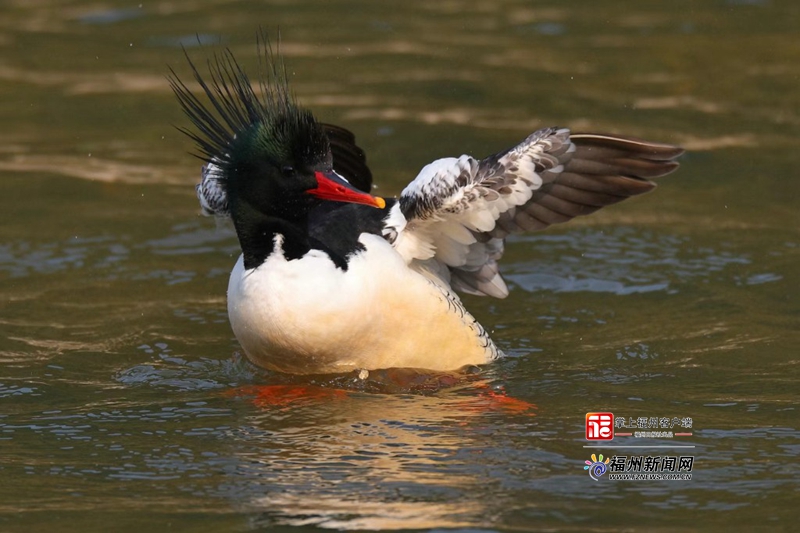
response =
{"points": [[332, 279]]}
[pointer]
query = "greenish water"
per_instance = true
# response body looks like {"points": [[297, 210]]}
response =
{"points": [[124, 401]]}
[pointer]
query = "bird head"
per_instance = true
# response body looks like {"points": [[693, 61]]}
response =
{"points": [[272, 155]]}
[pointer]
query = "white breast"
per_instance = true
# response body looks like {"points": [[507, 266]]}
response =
{"points": [[307, 316]]}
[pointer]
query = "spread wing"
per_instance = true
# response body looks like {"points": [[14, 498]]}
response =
{"points": [[348, 161], [451, 221]]}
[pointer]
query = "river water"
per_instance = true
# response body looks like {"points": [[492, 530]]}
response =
{"points": [[125, 402]]}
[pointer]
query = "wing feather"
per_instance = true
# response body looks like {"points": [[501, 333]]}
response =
{"points": [[349, 159], [457, 212]]}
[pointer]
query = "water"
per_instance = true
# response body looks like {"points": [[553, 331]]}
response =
{"points": [[126, 402]]}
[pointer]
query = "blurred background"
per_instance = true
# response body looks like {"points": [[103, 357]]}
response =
{"points": [[124, 399]]}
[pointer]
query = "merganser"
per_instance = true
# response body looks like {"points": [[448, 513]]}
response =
{"points": [[332, 279]]}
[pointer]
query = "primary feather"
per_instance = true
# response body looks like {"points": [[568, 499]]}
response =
{"points": [[457, 212]]}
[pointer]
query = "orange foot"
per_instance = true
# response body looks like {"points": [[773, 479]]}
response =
{"points": [[287, 395]]}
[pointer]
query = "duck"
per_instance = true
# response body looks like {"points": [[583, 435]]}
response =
{"points": [[333, 279]]}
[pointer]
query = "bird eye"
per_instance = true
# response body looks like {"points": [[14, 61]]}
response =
{"points": [[287, 170]]}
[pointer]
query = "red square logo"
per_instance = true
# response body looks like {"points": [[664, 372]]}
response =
{"points": [[599, 426]]}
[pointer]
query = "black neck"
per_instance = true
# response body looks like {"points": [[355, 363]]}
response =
{"points": [[257, 231]]}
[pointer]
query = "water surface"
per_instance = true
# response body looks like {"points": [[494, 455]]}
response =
{"points": [[126, 401]]}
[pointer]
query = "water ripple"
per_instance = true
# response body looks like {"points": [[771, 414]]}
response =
{"points": [[620, 261]]}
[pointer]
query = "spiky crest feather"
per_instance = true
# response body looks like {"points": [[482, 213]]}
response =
{"points": [[243, 123]]}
